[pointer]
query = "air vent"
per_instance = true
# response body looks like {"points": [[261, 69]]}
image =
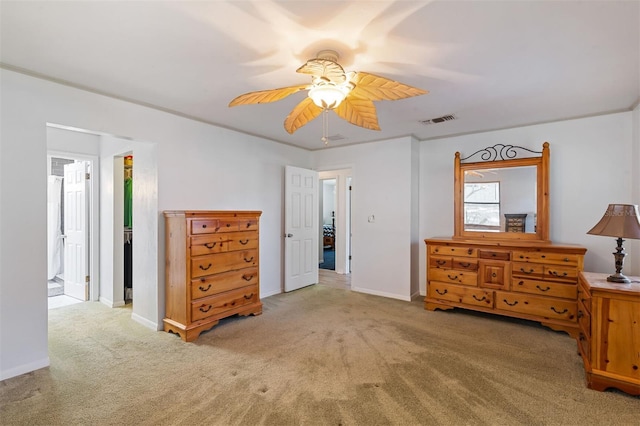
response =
{"points": [[438, 120], [336, 137]]}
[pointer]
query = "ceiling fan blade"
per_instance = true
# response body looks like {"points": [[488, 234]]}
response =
{"points": [[265, 96], [324, 68], [376, 88], [361, 112], [303, 113]]}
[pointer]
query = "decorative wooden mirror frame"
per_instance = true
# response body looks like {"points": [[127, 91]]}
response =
{"points": [[499, 157]]}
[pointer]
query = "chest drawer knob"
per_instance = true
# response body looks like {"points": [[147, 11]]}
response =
{"points": [[248, 296], [205, 310], [455, 277], [510, 304], [441, 293], [204, 268], [556, 274], [469, 251], [530, 271], [210, 245], [564, 311], [480, 299], [542, 289], [248, 260], [244, 242], [205, 289], [441, 262], [247, 277], [465, 264]]}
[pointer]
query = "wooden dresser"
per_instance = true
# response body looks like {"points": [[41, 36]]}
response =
{"points": [[529, 280], [609, 339], [212, 268]]}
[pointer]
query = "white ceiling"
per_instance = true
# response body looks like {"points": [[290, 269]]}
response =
{"points": [[493, 64]]}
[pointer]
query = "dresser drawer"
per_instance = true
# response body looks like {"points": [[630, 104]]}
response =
{"points": [[547, 307], [544, 288], [243, 240], [453, 251], [542, 257], [560, 273], [496, 255], [584, 320], [528, 269], [219, 304], [440, 262], [214, 284], [222, 262], [460, 294], [214, 226], [208, 244], [453, 276]]}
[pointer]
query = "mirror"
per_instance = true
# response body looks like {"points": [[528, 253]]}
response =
{"points": [[501, 197]]}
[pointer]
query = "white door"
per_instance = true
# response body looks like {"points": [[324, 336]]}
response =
{"points": [[301, 228], [76, 259]]}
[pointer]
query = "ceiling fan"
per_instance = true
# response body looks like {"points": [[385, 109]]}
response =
{"points": [[349, 94]]}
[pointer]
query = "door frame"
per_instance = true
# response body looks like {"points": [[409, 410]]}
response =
{"points": [[94, 214], [343, 243]]}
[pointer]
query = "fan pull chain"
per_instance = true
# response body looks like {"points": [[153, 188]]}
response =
{"points": [[325, 126]]}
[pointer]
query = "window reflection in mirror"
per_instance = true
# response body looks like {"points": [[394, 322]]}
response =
{"points": [[491, 196]]}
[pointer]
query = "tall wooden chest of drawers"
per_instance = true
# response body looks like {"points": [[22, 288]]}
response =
{"points": [[531, 281], [211, 269]]}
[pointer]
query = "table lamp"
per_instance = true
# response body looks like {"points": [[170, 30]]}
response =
{"points": [[620, 221]]}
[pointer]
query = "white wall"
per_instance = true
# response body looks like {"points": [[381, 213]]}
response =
{"points": [[591, 166], [382, 187], [199, 166]]}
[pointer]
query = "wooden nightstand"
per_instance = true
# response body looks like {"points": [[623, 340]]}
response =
{"points": [[609, 339]]}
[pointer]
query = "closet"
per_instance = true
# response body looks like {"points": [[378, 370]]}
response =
{"points": [[128, 228]]}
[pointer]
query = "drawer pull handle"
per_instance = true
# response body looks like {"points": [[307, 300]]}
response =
{"points": [[465, 264], [521, 257], [205, 289], [469, 251], [441, 262], [543, 289], [564, 311], [204, 225], [247, 277], [442, 293], [210, 245], [248, 296], [521, 283], [248, 224], [482, 299], [244, 242], [228, 225], [455, 277], [510, 304], [494, 275], [248, 260], [217, 229], [580, 314], [530, 271], [203, 268], [566, 259], [436, 250], [556, 274], [202, 309]]}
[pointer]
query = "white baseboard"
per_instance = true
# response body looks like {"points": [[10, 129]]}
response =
{"points": [[149, 324], [381, 293], [24, 369]]}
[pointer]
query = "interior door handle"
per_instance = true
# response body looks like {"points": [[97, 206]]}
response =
{"points": [[288, 235]]}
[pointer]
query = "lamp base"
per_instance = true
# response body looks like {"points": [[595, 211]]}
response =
{"points": [[618, 278]]}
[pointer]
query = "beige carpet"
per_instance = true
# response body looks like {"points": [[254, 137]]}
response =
{"points": [[317, 356]]}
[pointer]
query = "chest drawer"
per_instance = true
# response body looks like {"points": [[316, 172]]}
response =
{"points": [[453, 251], [214, 284], [453, 276], [546, 307], [460, 294], [542, 257], [528, 269], [223, 302], [560, 273], [223, 262], [544, 288]]}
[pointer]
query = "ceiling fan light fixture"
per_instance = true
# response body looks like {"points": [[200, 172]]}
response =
{"points": [[328, 96]]}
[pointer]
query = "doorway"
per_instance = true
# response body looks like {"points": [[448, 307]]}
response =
{"points": [[335, 221], [69, 228]]}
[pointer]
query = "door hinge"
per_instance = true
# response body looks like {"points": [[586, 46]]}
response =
{"points": [[87, 176], [349, 257], [86, 279], [350, 187]]}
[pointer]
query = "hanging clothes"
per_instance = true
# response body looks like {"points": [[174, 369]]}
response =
{"points": [[128, 202]]}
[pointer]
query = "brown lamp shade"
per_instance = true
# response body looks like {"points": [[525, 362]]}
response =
{"points": [[620, 221]]}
